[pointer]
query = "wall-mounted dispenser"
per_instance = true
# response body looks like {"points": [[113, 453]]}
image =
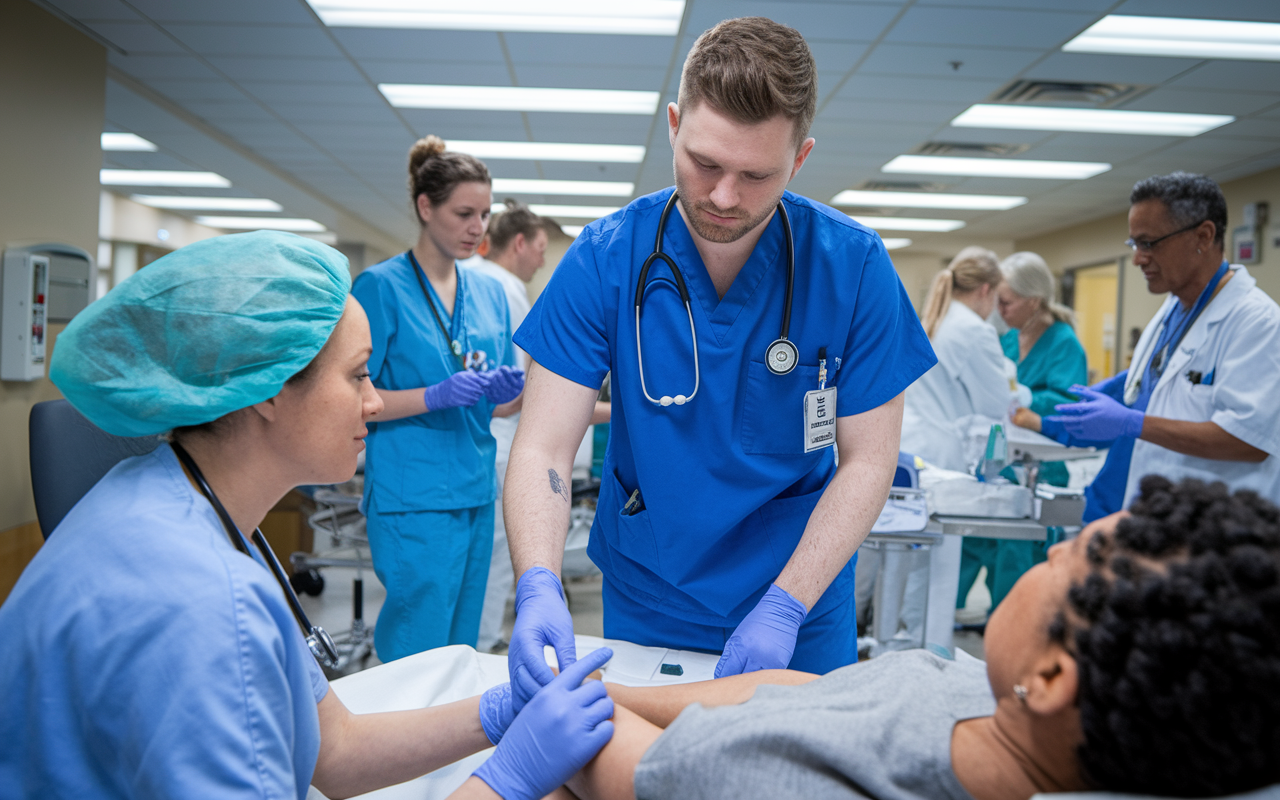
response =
{"points": [[43, 283]]}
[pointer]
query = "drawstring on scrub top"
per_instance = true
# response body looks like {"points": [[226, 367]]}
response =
{"points": [[318, 640]]}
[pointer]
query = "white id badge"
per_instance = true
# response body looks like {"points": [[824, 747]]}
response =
{"points": [[819, 419]]}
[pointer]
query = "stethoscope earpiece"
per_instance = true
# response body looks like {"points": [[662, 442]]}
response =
{"points": [[781, 357]]}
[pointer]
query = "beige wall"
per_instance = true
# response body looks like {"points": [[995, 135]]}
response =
{"points": [[52, 94], [1103, 239]]}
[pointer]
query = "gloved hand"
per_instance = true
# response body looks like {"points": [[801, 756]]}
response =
{"points": [[766, 638], [559, 731], [542, 618], [496, 713], [1113, 386], [1099, 417], [505, 384], [459, 389]]}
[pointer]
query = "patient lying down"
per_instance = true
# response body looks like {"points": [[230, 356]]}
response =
{"points": [[1143, 657]]}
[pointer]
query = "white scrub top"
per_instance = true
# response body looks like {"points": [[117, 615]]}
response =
{"points": [[968, 379], [1236, 340], [142, 655], [504, 428]]}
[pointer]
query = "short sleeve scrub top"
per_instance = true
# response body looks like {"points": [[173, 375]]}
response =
{"points": [[144, 656], [724, 483], [429, 479]]}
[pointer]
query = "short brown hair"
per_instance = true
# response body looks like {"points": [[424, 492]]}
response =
{"points": [[517, 219], [753, 69], [435, 172]]}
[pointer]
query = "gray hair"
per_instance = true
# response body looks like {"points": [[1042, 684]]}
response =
{"points": [[1028, 276], [1190, 200]]}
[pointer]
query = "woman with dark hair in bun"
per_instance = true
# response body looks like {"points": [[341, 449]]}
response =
{"points": [[444, 365]]}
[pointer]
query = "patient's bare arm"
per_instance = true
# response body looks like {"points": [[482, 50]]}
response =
{"points": [[660, 705], [640, 714]]}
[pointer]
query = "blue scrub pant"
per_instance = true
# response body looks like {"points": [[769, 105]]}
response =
{"points": [[434, 565], [827, 640]]}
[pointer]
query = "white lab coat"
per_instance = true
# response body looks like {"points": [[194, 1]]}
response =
{"points": [[968, 379], [1237, 338]]}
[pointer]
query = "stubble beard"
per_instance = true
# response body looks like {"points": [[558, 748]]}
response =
{"points": [[719, 234]]}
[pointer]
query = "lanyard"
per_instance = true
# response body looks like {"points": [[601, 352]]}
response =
{"points": [[454, 346], [1175, 335]]}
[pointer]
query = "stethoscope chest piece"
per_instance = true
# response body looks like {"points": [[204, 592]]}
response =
{"points": [[781, 357]]}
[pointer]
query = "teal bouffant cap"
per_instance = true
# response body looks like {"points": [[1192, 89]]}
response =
{"points": [[208, 329]]}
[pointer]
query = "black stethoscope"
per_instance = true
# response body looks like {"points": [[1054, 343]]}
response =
{"points": [[321, 644], [782, 355]]}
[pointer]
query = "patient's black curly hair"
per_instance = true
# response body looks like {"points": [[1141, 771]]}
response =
{"points": [[1176, 634]]}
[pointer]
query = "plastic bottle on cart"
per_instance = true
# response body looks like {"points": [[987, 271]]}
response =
{"points": [[996, 456]]}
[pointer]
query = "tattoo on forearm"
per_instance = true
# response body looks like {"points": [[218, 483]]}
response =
{"points": [[557, 484]]}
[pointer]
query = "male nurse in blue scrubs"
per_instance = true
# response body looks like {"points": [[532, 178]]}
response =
{"points": [[722, 525]]}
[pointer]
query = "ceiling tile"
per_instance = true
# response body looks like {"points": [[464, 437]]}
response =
{"points": [[293, 93], [891, 110], [1030, 5], [988, 27], [1190, 101], [256, 40], [937, 61], [85, 10], [185, 90], [576, 48], [220, 113], [836, 56], [1232, 76], [137, 37], [1109, 69], [148, 68], [233, 11], [448, 73], [858, 22], [892, 87], [595, 77], [246, 68], [1258, 10], [418, 45]]}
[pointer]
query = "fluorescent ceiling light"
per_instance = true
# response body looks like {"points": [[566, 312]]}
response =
{"points": [[895, 244], [261, 223], [184, 203], [520, 98], [573, 212], [592, 188], [996, 167], [572, 231], [853, 197], [909, 224], [161, 177], [126, 141], [1088, 120], [1173, 36], [635, 17], [548, 151]]}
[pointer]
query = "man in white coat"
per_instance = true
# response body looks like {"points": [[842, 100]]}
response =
{"points": [[1201, 394]]}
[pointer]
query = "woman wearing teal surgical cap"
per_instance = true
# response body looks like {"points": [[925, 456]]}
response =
{"points": [[145, 654], [444, 364]]}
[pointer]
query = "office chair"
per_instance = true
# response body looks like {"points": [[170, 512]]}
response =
{"points": [[69, 454]]}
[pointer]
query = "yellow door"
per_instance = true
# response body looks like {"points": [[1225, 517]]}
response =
{"points": [[1095, 306]]}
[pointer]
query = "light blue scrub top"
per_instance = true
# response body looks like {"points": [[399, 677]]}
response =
{"points": [[443, 459], [143, 656], [727, 485]]}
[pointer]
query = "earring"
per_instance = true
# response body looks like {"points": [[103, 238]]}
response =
{"points": [[1020, 692]]}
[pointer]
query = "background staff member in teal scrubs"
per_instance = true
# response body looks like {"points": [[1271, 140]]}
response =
{"points": [[444, 365], [716, 530]]}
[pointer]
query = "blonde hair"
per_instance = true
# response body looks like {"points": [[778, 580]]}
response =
{"points": [[1028, 276], [752, 69], [971, 269], [436, 172]]}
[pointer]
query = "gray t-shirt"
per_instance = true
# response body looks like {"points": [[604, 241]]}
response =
{"points": [[880, 730]]}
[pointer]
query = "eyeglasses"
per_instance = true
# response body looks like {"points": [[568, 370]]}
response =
{"points": [[1147, 246]]}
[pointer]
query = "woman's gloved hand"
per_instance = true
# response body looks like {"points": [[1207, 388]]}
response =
{"points": [[1099, 417], [496, 713], [459, 389], [558, 732], [766, 638], [542, 618], [505, 384]]}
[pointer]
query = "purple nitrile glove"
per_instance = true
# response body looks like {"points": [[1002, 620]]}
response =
{"points": [[542, 618], [505, 384], [459, 389], [561, 729], [766, 638], [1099, 417], [496, 713]]}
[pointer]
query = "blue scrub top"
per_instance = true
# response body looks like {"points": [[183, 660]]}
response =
{"points": [[144, 656], [444, 459], [727, 486]]}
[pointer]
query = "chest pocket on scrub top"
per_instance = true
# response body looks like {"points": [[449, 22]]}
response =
{"points": [[773, 410]]}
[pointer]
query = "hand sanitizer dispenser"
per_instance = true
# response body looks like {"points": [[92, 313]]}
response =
{"points": [[23, 316]]}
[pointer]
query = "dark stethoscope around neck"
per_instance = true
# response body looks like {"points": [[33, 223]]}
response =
{"points": [[318, 640], [782, 355]]}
